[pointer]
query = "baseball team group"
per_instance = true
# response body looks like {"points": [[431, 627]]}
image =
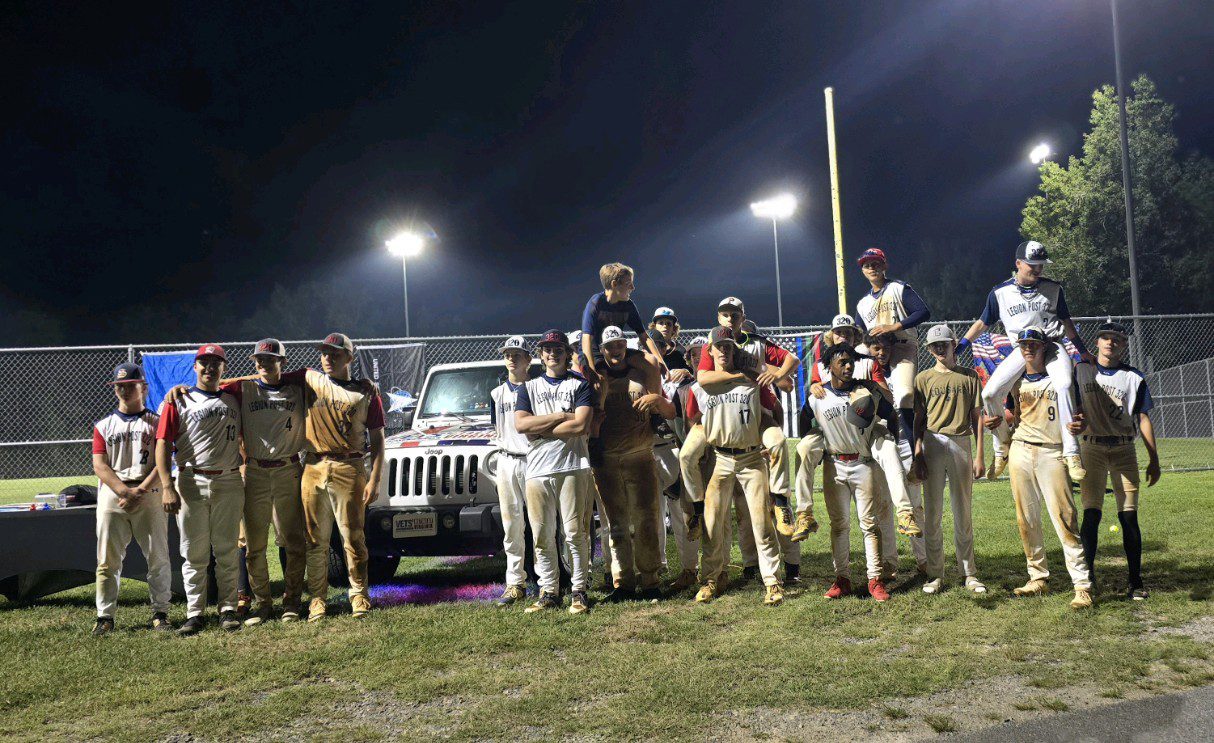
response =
{"points": [[645, 436]]}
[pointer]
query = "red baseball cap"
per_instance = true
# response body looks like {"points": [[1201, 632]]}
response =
{"points": [[872, 254], [211, 349]]}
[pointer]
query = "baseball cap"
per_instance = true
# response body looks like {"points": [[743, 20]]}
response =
{"points": [[843, 321], [211, 349], [748, 326], [721, 334], [127, 373], [611, 333], [1112, 328], [337, 340], [514, 343], [698, 341], [732, 302], [1031, 333], [270, 347], [1032, 253], [940, 334], [861, 410], [872, 254], [665, 312], [553, 338]]}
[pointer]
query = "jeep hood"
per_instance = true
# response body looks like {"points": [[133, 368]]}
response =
{"points": [[458, 434]]}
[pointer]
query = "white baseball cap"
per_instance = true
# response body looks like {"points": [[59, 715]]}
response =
{"points": [[842, 321], [699, 340], [514, 343], [664, 312], [611, 333], [1032, 253], [575, 338], [732, 302], [940, 334]]}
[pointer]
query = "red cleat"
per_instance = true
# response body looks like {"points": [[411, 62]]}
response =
{"points": [[840, 588], [876, 589]]}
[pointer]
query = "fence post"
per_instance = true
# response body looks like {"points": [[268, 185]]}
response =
{"points": [[130, 354]]}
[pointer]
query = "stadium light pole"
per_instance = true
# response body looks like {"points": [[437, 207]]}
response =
{"points": [[406, 245], [775, 209], [1127, 185]]}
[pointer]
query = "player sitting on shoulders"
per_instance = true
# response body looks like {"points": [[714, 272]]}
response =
{"points": [[614, 306]]}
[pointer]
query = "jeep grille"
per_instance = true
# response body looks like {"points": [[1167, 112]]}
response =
{"points": [[433, 474]]}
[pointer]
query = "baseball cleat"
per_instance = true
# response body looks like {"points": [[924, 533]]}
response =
{"points": [[804, 526], [921, 569], [876, 589], [547, 600], [317, 609], [907, 526], [620, 595], [933, 586], [1082, 600], [229, 621], [244, 603], [707, 592], [579, 603], [1074, 467], [1035, 587], [686, 580], [784, 519], [695, 527], [511, 595], [998, 465], [161, 623], [1137, 593], [792, 574], [103, 626], [889, 570], [840, 588], [973, 585], [774, 595], [360, 606], [291, 612], [192, 626], [263, 613]]}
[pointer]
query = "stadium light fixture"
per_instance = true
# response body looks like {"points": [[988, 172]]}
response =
{"points": [[406, 245], [1040, 154], [776, 208]]}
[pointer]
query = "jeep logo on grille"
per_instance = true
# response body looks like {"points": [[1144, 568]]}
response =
{"points": [[433, 452]]}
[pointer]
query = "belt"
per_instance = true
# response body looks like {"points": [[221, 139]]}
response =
{"points": [[735, 452], [272, 463], [208, 473], [132, 482], [512, 454], [849, 457], [339, 456], [1108, 440], [1041, 444]]}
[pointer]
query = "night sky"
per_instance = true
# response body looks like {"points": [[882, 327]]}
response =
{"points": [[166, 169]]}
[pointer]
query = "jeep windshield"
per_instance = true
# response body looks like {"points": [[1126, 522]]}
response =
{"points": [[463, 392]]}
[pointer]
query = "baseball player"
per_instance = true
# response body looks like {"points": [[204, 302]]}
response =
{"points": [[554, 412], [1038, 472], [731, 414], [679, 507], [844, 420], [201, 432], [627, 477], [948, 402], [1028, 299], [126, 509], [511, 467], [1117, 406], [614, 306], [666, 326]]}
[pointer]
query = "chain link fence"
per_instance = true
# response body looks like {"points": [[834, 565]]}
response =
{"points": [[51, 396]]}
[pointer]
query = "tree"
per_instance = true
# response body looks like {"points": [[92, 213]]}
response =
{"points": [[1079, 213]]}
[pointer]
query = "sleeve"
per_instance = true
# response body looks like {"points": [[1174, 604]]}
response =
{"points": [[636, 324], [917, 311], [98, 442], [235, 389], [705, 360], [805, 420], [1063, 312], [859, 318], [375, 413], [584, 397], [523, 400], [588, 320], [767, 399], [1142, 401], [170, 423], [773, 354], [990, 313], [492, 410], [878, 373], [815, 377], [693, 405]]}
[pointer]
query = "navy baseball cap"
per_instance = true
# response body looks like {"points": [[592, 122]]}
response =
{"points": [[1112, 328], [1032, 334], [553, 338], [127, 373], [270, 347], [1032, 253], [861, 410]]}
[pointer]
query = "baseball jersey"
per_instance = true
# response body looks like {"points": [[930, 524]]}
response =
{"points": [[1038, 403], [829, 415], [599, 314], [624, 429], [1018, 307], [948, 399], [1112, 398], [895, 302], [678, 393], [730, 418], [204, 428], [545, 395], [271, 418], [756, 352], [501, 414], [126, 440], [339, 412]]}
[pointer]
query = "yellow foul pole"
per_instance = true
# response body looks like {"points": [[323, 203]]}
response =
{"points": [[834, 198]]}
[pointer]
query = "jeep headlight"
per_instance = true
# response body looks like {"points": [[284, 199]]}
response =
{"points": [[491, 463]]}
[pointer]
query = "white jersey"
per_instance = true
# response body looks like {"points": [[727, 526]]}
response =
{"points": [[886, 308], [272, 419], [1112, 398], [829, 415], [730, 418], [504, 397], [205, 430], [128, 443], [1037, 402], [1018, 307], [545, 395]]}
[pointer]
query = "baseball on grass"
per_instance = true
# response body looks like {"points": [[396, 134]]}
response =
{"points": [[1114, 528]]}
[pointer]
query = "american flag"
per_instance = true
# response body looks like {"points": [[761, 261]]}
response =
{"points": [[989, 349]]}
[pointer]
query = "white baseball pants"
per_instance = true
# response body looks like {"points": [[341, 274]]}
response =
{"points": [[569, 498], [948, 458], [512, 499], [854, 481], [750, 471], [1039, 475], [147, 524], [1061, 371], [209, 521], [272, 495]]}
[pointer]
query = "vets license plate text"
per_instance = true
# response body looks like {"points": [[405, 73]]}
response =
{"points": [[414, 524]]}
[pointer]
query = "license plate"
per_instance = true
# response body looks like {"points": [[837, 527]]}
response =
{"points": [[414, 524]]}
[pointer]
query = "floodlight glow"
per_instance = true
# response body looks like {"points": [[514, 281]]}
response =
{"points": [[777, 207], [406, 245], [1040, 153]]}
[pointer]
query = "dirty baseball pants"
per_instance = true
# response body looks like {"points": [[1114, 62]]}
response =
{"points": [[948, 458], [994, 394], [628, 487], [148, 525], [666, 455], [901, 377], [1039, 475], [209, 521], [272, 495], [810, 451], [333, 489], [696, 446], [512, 500], [897, 496], [565, 498], [1102, 461], [750, 471], [854, 481]]}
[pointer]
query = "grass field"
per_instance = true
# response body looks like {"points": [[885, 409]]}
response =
{"points": [[733, 669]]}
